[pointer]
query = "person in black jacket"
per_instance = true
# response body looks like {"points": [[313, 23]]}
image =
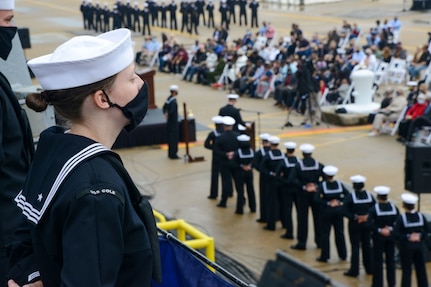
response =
{"points": [[224, 10], [16, 143], [225, 147], [330, 196], [289, 190], [200, 5], [163, 10], [263, 193], [242, 12], [381, 221], [356, 208], [79, 222], [231, 8], [215, 160], [173, 15], [210, 9], [184, 10], [243, 159], [254, 5], [170, 110], [306, 175], [230, 110], [411, 230]]}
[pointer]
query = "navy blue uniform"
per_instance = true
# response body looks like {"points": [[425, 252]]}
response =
{"points": [[210, 9], [263, 192], [331, 191], [359, 203], [224, 10], [16, 152], [173, 15], [171, 109], [243, 160], [253, 7], [242, 11], [146, 20], [215, 163], [383, 214], [412, 252], [231, 111], [268, 166], [86, 233]]}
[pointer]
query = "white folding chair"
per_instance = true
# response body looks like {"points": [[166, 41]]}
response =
{"points": [[397, 71], [155, 58], [271, 88], [346, 99], [189, 63], [323, 101], [398, 121], [381, 73]]}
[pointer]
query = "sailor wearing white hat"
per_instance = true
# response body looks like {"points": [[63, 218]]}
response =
{"points": [[224, 13], [91, 83], [269, 165], [210, 9], [172, 7], [16, 144], [243, 159], [412, 230], [230, 110], [170, 110], [254, 5], [215, 160], [289, 190], [357, 206], [146, 15], [381, 221], [330, 196], [307, 174], [136, 12], [258, 155], [225, 147]]}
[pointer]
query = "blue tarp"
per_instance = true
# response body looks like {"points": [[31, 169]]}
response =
{"points": [[181, 269]]}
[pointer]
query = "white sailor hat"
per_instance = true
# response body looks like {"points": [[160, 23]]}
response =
{"points": [[358, 178], [382, 190], [264, 136], [412, 83], [228, 121], [306, 148], [243, 138], [241, 127], [84, 60], [217, 119], [173, 88], [409, 198], [290, 145], [232, 96], [145, 4], [7, 4], [274, 140], [330, 170]]}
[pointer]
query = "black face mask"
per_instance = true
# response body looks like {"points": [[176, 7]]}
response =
{"points": [[244, 145], [136, 109], [6, 36]]}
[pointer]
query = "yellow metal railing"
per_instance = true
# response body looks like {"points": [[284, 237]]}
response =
{"points": [[183, 229]]}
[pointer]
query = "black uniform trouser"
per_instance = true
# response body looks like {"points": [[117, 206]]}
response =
{"points": [[106, 26], [263, 197], [164, 25], [244, 178], [193, 26], [305, 201], [210, 20], [224, 20], [203, 17], [413, 253], [332, 216], [383, 245], [137, 25], [254, 21], [184, 24], [243, 15], [215, 172], [232, 15], [146, 25], [173, 138], [227, 175], [173, 23], [274, 198], [287, 199], [360, 239]]}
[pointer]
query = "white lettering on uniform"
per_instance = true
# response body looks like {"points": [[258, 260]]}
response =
{"points": [[104, 190]]}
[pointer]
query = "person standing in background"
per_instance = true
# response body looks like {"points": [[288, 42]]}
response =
{"points": [[170, 110]]}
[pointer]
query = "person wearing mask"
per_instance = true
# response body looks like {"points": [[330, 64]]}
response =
{"points": [[16, 142], [411, 230], [170, 110], [356, 207], [84, 222], [330, 196], [230, 110], [381, 221]]}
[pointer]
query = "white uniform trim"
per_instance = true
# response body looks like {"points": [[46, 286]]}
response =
{"points": [[393, 210], [332, 191], [360, 201], [275, 157], [413, 224], [33, 275], [262, 151], [288, 163], [307, 168], [34, 214], [241, 155]]}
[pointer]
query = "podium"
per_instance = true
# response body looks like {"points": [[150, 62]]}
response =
{"points": [[251, 132], [147, 75]]}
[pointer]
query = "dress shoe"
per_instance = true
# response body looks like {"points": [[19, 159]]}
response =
{"points": [[174, 157], [212, 197], [320, 259], [260, 220], [239, 212], [253, 210], [350, 274], [343, 258], [286, 236], [266, 227], [297, 247], [221, 205]]}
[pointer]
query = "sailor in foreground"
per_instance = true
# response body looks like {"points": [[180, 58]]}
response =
{"points": [[80, 226], [381, 220], [411, 230], [215, 160], [263, 194], [330, 196], [356, 207]]}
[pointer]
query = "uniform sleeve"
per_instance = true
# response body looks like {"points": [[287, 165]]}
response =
{"points": [[210, 141], [347, 207], [93, 242]]}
